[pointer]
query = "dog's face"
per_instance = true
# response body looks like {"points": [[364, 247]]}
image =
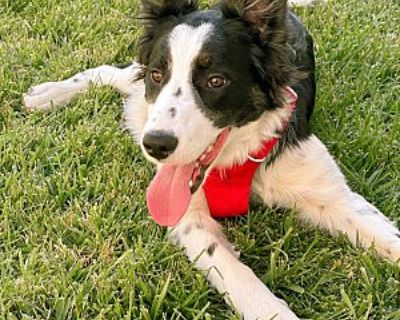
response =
{"points": [[199, 80], [206, 72]]}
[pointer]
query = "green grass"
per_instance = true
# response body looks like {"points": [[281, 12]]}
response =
{"points": [[76, 240]]}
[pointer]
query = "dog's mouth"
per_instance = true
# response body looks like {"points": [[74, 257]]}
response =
{"points": [[170, 192], [206, 159]]}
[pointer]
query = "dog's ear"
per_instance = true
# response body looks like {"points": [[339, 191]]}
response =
{"points": [[157, 16], [266, 18], [267, 22]]}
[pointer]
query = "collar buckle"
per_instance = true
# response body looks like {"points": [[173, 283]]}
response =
{"points": [[256, 160]]}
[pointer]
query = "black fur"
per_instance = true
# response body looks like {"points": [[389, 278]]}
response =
{"points": [[211, 248], [158, 17]]}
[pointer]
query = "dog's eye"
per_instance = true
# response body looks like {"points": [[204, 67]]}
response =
{"points": [[156, 76], [216, 82]]}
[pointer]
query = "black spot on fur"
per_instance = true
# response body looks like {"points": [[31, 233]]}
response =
{"points": [[187, 230], [199, 226], [374, 211], [172, 112], [76, 80], [178, 92], [123, 65], [211, 248]]}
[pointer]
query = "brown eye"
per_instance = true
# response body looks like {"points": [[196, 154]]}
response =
{"points": [[216, 82], [156, 76]]}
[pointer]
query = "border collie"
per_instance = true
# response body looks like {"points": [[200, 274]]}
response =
{"points": [[220, 100]]}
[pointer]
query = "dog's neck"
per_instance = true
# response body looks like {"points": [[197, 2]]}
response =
{"points": [[251, 137]]}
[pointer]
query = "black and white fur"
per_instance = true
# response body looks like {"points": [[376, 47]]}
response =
{"points": [[259, 47]]}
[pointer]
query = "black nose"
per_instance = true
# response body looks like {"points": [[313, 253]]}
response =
{"points": [[160, 144]]}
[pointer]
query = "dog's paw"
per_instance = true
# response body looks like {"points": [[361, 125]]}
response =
{"points": [[48, 95], [253, 300]]}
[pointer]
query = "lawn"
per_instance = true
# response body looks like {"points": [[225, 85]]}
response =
{"points": [[76, 240]]}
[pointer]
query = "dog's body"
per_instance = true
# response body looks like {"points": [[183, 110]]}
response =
{"points": [[204, 73]]}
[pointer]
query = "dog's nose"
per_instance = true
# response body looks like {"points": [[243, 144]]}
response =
{"points": [[160, 144]]}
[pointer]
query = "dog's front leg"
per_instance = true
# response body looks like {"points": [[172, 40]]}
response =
{"points": [[211, 252], [47, 95], [307, 178]]}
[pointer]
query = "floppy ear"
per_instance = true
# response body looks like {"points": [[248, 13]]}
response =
{"points": [[156, 16], [267, 22]]}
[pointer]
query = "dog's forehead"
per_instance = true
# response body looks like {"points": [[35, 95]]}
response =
{"points": [[185, 43], [193, 33]]}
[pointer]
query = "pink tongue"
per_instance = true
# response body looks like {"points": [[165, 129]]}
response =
{"points": [[168, 195]]}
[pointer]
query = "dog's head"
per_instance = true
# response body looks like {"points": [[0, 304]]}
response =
{"points": [[206, 72]]}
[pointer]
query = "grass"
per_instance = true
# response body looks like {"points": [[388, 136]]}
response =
{"points": [[76, 241]]}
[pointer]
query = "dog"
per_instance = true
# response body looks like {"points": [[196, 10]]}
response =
{"points": [[217, 93]]}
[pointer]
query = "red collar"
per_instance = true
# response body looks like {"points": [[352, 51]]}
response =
{"points": [[228, 189]]}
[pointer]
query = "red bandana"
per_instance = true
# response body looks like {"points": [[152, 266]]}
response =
{"points": [[228, 190]]}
